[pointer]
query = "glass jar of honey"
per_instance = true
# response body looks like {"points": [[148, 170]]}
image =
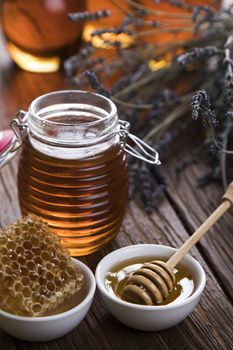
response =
{"points": [[73, 166]]}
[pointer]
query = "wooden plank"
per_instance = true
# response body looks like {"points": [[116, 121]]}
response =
{"points": [[193, 205]]}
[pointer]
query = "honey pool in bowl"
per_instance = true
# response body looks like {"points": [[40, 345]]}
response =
{"points": [[116, 279]]}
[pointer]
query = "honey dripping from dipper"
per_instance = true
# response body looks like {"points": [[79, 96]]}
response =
{"points": [[116, 281]]}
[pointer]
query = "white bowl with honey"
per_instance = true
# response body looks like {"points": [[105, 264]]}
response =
{"points": [[114, 270]]}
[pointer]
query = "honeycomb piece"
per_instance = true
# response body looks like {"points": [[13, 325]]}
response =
{"points": [[36, 271]]}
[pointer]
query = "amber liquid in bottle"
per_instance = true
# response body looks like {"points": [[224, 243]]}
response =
{"points": [[83, 200], [39, 33]]}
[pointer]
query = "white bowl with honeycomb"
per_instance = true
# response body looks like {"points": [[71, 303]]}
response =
{"points": [[44, 293]]}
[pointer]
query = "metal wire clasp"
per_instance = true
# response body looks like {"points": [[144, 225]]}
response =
{"points": [[19, 127], [137, 148]]}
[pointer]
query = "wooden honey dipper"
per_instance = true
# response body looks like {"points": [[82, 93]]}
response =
{"points": [[155, 280]]}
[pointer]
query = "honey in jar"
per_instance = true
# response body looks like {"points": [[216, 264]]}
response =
{"points": [[73, 171], [73, 166]]}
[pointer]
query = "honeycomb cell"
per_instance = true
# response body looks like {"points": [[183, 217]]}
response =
{"points": [[62, 265], [36, 251], [43, 291], [42, 281], [17, 287], [8, 270], [21, 260], [15, 266], [3, 250], [26, 281], [49, 276], [10, 245], [19, 250], [50, 286], [5, 260], [55, 261], [41, 270], [27, 245], [34, 241], [49, 266], [64, 275], [70, 272], [26, 292], [36, 272], [58, 282], [23, 270], [38, 260], [28, 255], [8, 281], [31, 265], [45, 256], [34, 276], [12, 255], [37, 309]]}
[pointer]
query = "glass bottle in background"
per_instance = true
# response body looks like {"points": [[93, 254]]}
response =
{"points": [[38, 33]]}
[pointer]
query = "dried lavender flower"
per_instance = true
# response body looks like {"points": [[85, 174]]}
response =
{"points": [[203, 14], [87, 16], [116, 31], [228, 89], [142, 12], [198, 53], [133, 177], [74, 62], [165, 98], [176, 3], [201, 106], [208, 13], [96, 83], [147, 189], [214, 149], [229, 114]]}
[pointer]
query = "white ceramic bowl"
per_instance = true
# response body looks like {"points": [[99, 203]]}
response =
{"points": [[50, 327], [148, 318]]}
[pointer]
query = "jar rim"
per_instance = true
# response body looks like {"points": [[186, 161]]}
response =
{"points": [[36, 101]]}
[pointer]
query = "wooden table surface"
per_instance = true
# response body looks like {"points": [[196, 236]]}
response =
{"points": [[178, 214]]}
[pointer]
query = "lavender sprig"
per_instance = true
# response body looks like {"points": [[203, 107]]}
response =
{"points": [[208, 13], [74, 62], [116, 31], [198, 53], [201, 106], [96, 83], [177, 3], [88, 16], [203, 14]]}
